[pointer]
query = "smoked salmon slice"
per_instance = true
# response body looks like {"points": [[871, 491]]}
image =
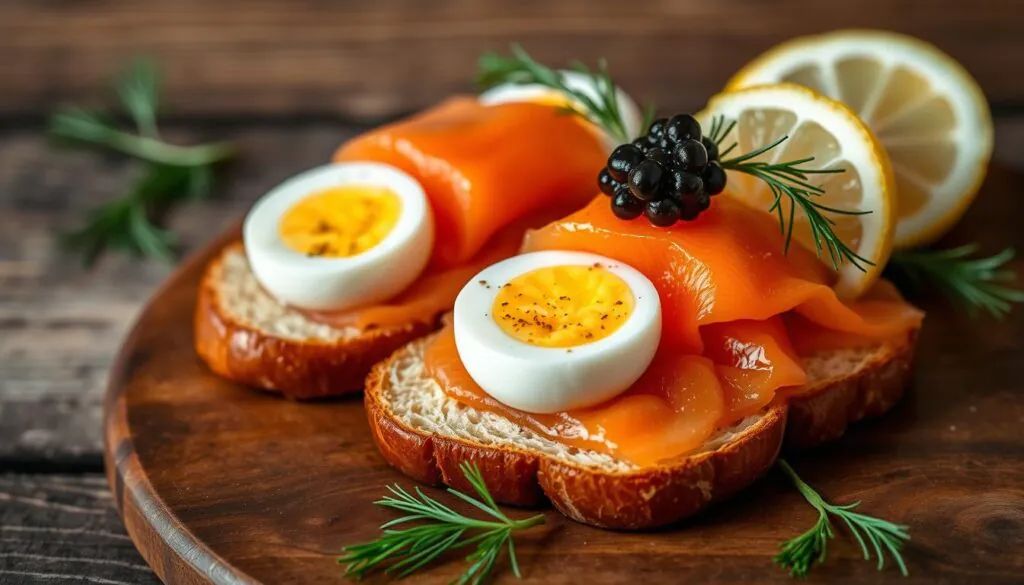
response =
{"points": [[483, 167], [727, 265], [737, 314]]}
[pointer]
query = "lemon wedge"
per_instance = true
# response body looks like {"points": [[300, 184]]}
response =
{"points": [[926, 109], [834, 136]]}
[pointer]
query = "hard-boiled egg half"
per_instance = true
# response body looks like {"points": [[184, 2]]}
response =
{"points": [[512, 92], [340, 236], [552, 331]]}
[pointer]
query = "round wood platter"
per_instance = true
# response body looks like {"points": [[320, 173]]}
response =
{"points": [[217, 483]]}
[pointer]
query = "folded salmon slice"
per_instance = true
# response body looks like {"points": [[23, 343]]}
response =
{"points": [[489, 172], [483, 167], [732, 303], [728, 265]]}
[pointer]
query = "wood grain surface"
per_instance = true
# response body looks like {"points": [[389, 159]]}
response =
{"points": [[371, 59], [61, 323], [216, 482], [63, 528]]}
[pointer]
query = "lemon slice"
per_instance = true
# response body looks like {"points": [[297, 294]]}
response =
{"points": [[830, 132], [929, 113]]}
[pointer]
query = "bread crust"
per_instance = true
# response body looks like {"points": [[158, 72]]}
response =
{"points": [[824, 413], [652, 496], [634, 500], [298, 369]]}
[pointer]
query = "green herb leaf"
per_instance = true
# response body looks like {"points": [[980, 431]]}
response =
{"points": [[173, 173], [799, 554], [76, 126], [979, 284], [439, 529], [601, 109], [138, 88], [790, 181]]}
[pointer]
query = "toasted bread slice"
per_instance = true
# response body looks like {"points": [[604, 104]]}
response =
{"points": [[245, 335], [426, 434], [846, 386]]}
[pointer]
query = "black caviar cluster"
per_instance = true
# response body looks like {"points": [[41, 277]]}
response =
{"points": [[668, 174]]}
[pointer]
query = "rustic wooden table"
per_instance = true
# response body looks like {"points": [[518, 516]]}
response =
{"points": [[232, 74]]}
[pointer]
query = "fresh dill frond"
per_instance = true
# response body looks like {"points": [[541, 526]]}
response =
{"points": [[600, 108], [799, 554], [438, 529], [172, 173], [978, 284], [789, 181]]}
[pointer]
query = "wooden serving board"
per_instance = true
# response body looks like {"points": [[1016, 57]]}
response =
{"points": [[221, 484]]}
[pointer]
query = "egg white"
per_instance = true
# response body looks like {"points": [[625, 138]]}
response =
{"points": [[511, 92], [546, 380], [319, 283]]}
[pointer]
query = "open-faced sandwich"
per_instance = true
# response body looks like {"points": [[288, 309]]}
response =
{"points": [[343, 264], [649, 354]]}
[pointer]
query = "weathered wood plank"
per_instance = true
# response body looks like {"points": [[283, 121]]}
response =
{"points": [[64, 529], [374, 59], [61, 324]]}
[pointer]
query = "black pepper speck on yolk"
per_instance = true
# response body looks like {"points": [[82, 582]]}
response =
{"points": [[563, 306]]}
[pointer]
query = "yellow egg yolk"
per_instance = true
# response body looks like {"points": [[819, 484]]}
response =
{"points": [[563, 306], [340, 221]]}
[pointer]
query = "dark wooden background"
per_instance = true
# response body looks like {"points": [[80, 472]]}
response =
{"points": [[288, 80], [275, 58]]}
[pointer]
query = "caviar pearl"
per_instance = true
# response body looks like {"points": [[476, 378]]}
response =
{"points": [[691, 184], [660, 156], [625, 206], [714, 179], [645, 179], [657, 128], [690, 208], [622, 160], [682, 127], [606, 183], [692, 156], [662, 213], [711, 146]]}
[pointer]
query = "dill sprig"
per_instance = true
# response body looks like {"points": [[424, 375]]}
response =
{"points": [[790, 179], [979, 284], [442, 529], [801, 553], [601, 109], [172, 173]]}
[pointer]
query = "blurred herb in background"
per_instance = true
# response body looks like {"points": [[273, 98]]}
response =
{"points": [[978, 284], [172, 174]]}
